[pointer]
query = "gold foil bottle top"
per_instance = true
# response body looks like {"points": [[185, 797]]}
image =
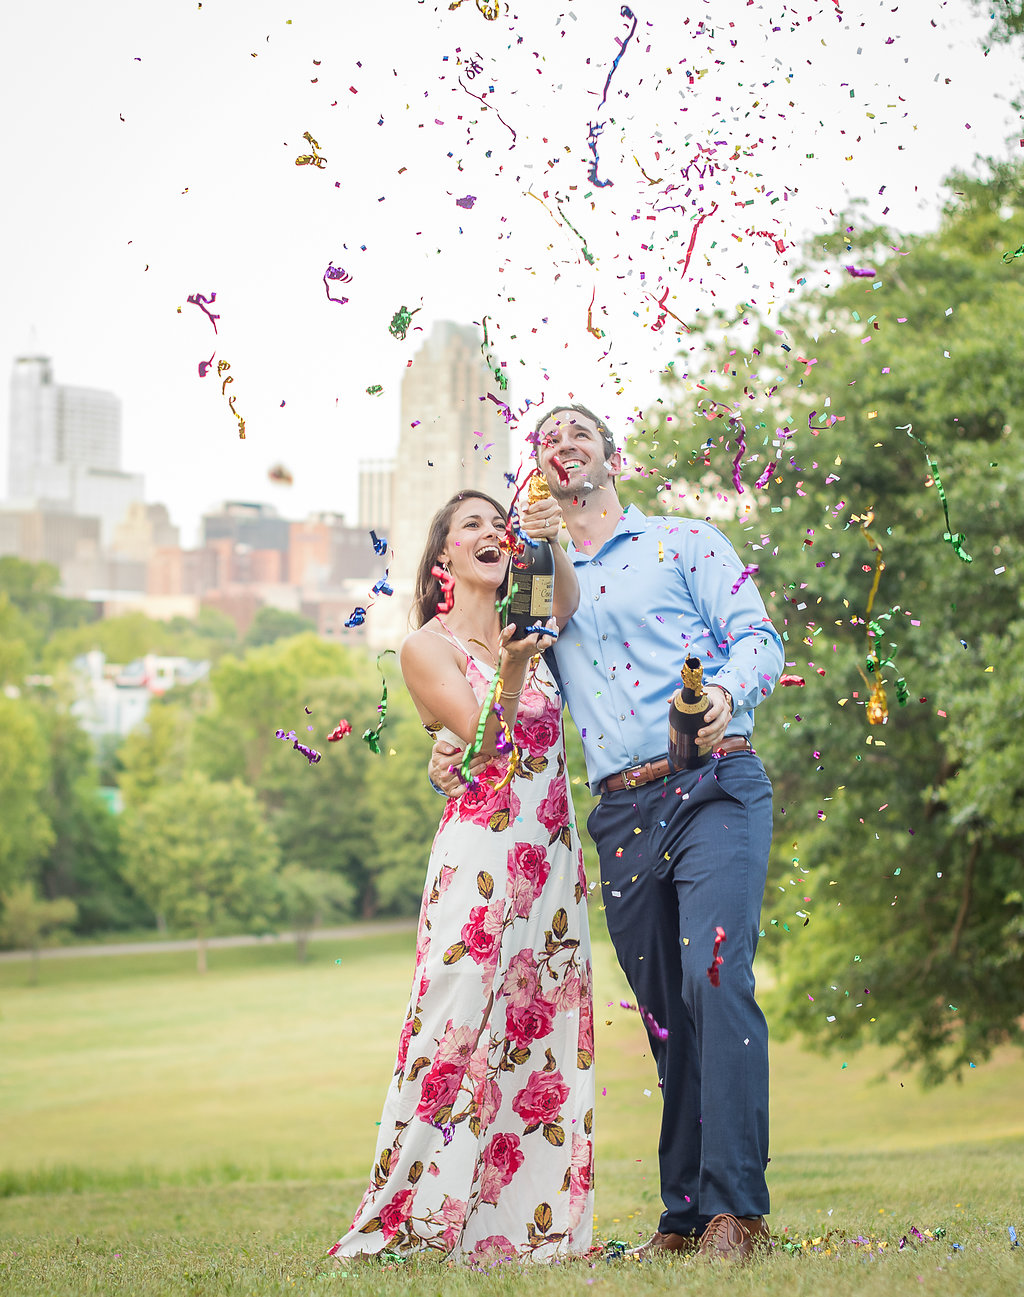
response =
{"points": [[693, 675], [537, 488]]}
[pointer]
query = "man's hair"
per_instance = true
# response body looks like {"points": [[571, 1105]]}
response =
{"points": [[599, 423]]}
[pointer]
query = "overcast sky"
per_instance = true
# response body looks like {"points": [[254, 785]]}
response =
{"points": [[149, 154]]}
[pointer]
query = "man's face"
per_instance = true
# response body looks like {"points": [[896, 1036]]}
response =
{"points": [[576, 442]]}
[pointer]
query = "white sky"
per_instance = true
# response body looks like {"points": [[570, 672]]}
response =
{"points": [[109, 224]]}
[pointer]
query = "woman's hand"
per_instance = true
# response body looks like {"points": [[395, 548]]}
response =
{"points": [[542, 520], [443, 770], [517, 652]]}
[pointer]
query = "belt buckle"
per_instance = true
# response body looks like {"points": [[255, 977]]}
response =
{"points": [[629, 777]]}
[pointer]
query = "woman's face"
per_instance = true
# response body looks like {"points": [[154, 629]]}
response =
{"points": [[473, 547]]}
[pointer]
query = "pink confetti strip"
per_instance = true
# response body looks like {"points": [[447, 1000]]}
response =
{"points": [[750, 570], [716, 959]]}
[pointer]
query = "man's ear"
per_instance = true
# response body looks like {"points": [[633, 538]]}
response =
{"points": [[614, 462]]}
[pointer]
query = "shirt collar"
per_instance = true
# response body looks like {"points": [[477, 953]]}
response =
{"points": [[632, 522]]}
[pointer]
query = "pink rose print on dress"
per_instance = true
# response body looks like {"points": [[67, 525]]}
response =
{"points": [[533, 1022], [456, 1045], [522, 980], [439, 1090], [477, 805], [566, 994], [586, 1039], [487, 1098], [501, 1159], [539, 734], [553, 812], [581, 1169], [444, 880], [581, 873], [491, 1246], [541, 1098], [403, 1043], [396, 1213], [528, 868], [482, 933]]}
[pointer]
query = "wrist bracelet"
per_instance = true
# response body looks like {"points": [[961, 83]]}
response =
{"points": [[505, 693]]}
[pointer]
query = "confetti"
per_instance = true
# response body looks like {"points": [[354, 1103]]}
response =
{"points": [[466, 202], [956, 539], [197, 299], [280, 474], [649, 1019], [374, 389], [335, 273], [371, 736], [716, 959], [860, 272], [751, 569], [340, 730], [311, 754], [314, 159], [446, 581], [400, 322]]}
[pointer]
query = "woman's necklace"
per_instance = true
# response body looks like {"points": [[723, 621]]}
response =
{"points": [[493, 654]]}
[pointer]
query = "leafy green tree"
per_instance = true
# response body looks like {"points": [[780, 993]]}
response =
{"points": [[32, 589], [15, 638], [26, 834], [321, 814], [28, 922], [309, 898], [271, 624], [83, 862], [201, 853], [880, 413]]}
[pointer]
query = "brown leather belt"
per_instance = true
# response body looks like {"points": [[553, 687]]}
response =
{"points": [[637, 776]]}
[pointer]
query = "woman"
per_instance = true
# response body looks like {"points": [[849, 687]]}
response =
{"points": [[485, 1146]]}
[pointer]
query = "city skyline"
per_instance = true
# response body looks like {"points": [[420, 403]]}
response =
{"points": [[148, 195]]}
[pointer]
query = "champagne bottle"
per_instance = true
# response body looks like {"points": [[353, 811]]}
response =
{"points": [[531, 575], [686, 717]]}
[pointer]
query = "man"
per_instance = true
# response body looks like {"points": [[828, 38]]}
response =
{"points": [[682, 854]]}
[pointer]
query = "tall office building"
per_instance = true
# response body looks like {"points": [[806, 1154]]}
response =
{"points": [[452, 438], [53, 425]]}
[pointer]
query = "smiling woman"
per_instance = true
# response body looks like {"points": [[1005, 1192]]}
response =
{"points": [[483, 1150]]}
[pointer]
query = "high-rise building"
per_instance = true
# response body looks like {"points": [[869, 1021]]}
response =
{"points": [[52, 424], [452, 438]]}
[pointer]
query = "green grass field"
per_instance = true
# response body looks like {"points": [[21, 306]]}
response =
{"points": [[164, 1132]]}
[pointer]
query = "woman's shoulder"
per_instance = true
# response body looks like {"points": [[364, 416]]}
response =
{"points": [[427, 646]]}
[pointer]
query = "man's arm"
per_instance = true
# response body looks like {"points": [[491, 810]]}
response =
{"points": [[732, 607]]}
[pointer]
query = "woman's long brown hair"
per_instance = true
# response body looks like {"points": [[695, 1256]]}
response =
{"points": [[428, 593]]}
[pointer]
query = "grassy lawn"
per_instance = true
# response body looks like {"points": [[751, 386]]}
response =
{"points": [[163, 1132]]}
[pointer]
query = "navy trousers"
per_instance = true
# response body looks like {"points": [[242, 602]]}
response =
{"points": [[679, 858]]}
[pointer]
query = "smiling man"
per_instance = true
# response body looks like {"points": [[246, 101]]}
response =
{"points": [[685, 853], [682, 854]]}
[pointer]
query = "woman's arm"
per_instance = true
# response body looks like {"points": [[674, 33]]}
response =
{"points": [[442, 693], [542, 520]]}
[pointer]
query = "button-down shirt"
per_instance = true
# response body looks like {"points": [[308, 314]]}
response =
{"points": [[658, 591]]}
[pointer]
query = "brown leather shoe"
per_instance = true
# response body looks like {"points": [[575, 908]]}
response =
{"points": [[661, 1244], [733, 1238]]}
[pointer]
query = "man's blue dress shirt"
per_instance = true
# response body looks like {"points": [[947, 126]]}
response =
{"points": [[658, 591]]}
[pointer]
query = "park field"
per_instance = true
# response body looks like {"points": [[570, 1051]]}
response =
{"points": [[165, 1132]]}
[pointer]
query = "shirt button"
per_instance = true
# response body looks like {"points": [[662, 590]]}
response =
{"points": [[604, 636]]}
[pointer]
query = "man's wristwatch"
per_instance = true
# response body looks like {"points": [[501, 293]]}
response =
{"points": [[728, 695]]}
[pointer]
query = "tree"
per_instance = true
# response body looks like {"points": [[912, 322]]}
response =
{"points": [[83, 861], [272, 624], [32, 589], [321, 814], [885, 403], [201, 854], [308, 897], [26, 832], [27, 922]]}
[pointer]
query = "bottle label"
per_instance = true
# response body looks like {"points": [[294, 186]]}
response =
{"points": [[542, 596]]}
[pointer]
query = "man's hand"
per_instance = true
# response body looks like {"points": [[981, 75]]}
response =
{"points": [[542, 520], [716, 718], [442, 759]]}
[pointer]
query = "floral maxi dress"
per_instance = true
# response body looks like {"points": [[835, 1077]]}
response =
{"points": [[486, 1143]]}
